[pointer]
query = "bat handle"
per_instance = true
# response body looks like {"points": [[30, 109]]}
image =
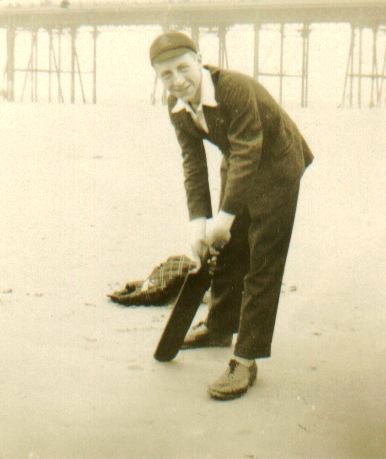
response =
{"points": [[211, 261]]}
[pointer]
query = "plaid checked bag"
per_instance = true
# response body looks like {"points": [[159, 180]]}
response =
{"points": [[160, 288]]}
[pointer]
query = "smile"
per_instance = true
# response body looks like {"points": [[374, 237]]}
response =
{"points": [[183, 90]]}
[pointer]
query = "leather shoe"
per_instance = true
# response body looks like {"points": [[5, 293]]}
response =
{"points": [[200, 336], [234, 382]]}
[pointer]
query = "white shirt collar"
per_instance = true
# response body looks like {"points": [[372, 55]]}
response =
{"points": [[207, 94]]}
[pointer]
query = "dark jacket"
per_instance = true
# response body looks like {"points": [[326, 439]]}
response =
{"points": [[262, 147]]}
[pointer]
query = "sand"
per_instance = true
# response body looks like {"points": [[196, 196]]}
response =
{"points": [[92, 197]]}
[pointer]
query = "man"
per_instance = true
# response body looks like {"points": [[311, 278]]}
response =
{"points": [[264, 157]]}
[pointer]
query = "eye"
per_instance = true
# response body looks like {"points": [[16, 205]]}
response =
{"points": [[166, 76]]}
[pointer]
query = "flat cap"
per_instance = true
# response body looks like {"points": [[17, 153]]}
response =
{"points": [[169, 45]]}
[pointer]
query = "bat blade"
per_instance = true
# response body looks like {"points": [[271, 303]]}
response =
{"points": [[182, 314]]}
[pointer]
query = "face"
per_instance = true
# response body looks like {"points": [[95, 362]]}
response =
{"points": [[181, 76]]}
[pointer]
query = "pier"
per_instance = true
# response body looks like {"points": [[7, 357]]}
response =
{"points": [[61, 22]]}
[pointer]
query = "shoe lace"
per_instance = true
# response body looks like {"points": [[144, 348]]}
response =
{"points": [[232, 366], [200, 324]]}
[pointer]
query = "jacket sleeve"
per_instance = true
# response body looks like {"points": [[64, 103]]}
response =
{"points": [[196, 174], [245, 136]]}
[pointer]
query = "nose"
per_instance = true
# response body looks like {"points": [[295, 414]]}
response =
{"points": [[178, 79]]}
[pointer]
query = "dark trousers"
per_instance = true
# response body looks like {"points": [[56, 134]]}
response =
{"points": [[247, 281]]}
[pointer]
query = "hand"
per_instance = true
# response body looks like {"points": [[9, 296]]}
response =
{"points": [[199, 250], [220, 232], [198, 245]]}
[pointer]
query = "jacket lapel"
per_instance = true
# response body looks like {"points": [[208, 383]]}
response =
{"points": [[214, 121], [184, 120]]}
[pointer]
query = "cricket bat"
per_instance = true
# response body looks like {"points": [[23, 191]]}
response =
{"points": [[185, 307]]}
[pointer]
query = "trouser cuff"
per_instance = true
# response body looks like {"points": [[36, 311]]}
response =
{"points": [[259, 353], [223, 328]]}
